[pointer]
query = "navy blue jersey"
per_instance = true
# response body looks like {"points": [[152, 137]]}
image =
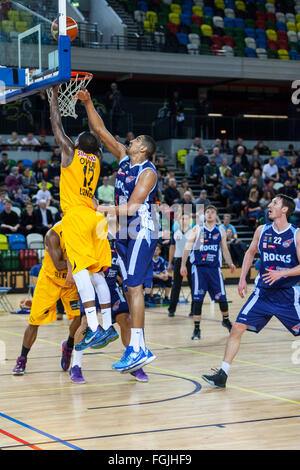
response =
{"points": [[126, 180], [115, 268], [278, 250], [207, 250], [159, 265]]}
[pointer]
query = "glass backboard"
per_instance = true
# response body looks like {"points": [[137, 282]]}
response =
{"points": [[32, 59]]}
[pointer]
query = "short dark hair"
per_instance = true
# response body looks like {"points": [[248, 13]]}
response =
{"points": [[149, 142], [211, 207], [288, 202], [89, 143]]}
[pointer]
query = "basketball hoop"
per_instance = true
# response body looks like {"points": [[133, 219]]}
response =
{"points": [[67, 92]]}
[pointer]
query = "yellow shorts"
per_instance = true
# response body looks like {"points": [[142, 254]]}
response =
{"points": [[85, 236], [46, 294]]}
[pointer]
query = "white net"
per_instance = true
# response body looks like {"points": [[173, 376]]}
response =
{"points": [[67, 92]]}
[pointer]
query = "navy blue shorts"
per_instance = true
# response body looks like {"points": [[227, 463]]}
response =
{"points": [[136, 255], [118, 302], [207, 280], [263, 304]]}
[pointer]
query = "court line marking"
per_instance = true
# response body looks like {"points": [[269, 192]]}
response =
{"points": [[217, 425], [197, 389], [56, 439], [18, 439]]}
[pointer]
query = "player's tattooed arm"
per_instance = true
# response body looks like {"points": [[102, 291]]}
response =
{"points": [[52, 244], [247, 262], [64, 142], [97, 125]]}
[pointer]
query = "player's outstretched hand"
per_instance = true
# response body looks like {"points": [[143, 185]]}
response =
{"points": [[242, 288], [271, 276], [83, 94]]}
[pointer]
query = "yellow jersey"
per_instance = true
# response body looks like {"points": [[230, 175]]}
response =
{"points": [[79, 181], [59, 277]]}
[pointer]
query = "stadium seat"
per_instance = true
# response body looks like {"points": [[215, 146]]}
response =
{"points": [[229, 22], [250, 33], [261, 53], [218, 21], [35, 241], [228, 41], [197, 20], [228, 51], [250, 52], [208, 11], [17, 210], [17, 242], [151, 16], [175, 8], [185, 19], [293, 55], [283, 54], [27, 162], [271, 34], [197, 10], [290, 17], [13, 15], [206, 30], [229, 13], [173, 28], [194, 39], [182, 38], [280, 17], [21, 26], [141, 5], [282, 35], [3, 242], [280, 26], [149, 27], [174, 18], [291, 26], [271, 17], [250, 42], [272, 45], [181, 155], [7, 26], [139, 16], [195, 29], [292, 36], [270, 8]]}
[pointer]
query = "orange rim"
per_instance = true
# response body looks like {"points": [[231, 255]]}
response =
{"points": [[79, 76]]}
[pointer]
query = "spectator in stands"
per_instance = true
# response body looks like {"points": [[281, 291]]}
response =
{"points": [[56, 154], [28, 220], [13, 141], [225, 147], [30, 142], [112, 178], [54, 169], [160, 185], [28, 181], [187, 200], [288, 189], [254, 184], [2, 201], [160, 166], [291, 151], [256, 175], [196, 145], [129, 137], [44, 145], [239, 196], [198, 165], [185, 187], [223, 167], [227, 185], [114, 105], [282, 162], [55, 193], [176, 115], [40, 169], [13, 180], [106, 193], [239, 143], [202, 199], [254, 209], [255, 165], [43, 219], [270, 171], [161, 278], [244, 159], [266, 199], [297, 208], [211, 172], [20, 198], [170, 174], [256, 157], [172, 195], [218, 156], [293, 169], [43, 194], [237, 167], [4, 166], [9, 221], [236, 247], [262, 148]]}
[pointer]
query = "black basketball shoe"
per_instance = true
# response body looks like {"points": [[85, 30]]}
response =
{"points": [[216, 380], [227, 324], [196, 334]]}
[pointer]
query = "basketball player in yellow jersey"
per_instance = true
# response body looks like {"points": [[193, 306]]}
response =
{"points": [[84, 228], [52, 285]]}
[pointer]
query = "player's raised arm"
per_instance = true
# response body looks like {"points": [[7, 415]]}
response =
{"points": [[98, 126], [64, 142], [187, 248], [52, 244], [247, 262]]}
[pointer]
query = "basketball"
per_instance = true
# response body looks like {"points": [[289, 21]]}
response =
{"points": [[72, 29], [25, 303]]}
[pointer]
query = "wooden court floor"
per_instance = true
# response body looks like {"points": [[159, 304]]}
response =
{"points": [[260, 408]]}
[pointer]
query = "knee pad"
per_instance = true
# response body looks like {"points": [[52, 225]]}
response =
{"points": [[223, 306], [197, 308], [84, 286]]}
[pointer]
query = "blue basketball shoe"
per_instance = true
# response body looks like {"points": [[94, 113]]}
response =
{"points": [[91, 338], [110, 336], [131, 360], [150, 357]]}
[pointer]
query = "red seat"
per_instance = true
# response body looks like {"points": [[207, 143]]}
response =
{"points": [[272, 44], [173, 28], [271, 17], [283, 44], [217, 40], [228, 41], [282, 35], [260, 24], [196, 19], [260, 15]]}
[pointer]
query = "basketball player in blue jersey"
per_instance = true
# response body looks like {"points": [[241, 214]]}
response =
{"points": [[275, 292], [205, 246], [135, 187]]}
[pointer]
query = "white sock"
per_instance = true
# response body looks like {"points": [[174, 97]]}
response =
{"points": [[135, 338], [142, 341], [91, 317], [106, 317], [225, 367], [77, 358]]}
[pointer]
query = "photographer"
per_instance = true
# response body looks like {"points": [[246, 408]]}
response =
{"points": [[115, 108]]}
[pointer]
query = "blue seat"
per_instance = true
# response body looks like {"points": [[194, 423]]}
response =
{"points": [[142, 6], [230, 4], [293, 55], [261, 44], [27, 162], [183, 39], [208, 11], [17, 242], [34, 273], [281, 26], [250, 52], [260, 33], [185, 19], [250, 33], [239, 23]]}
